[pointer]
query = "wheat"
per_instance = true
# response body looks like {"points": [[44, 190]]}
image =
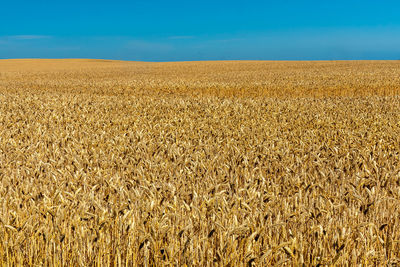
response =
{"points": [[199, 163]]}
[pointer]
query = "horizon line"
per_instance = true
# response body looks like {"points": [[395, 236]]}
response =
{"points": [[203, 60]]}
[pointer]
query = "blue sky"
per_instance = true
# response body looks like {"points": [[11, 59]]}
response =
{"points": [[200, 30]]}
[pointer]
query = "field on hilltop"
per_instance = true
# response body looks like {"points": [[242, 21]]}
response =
{"points": [[230, 163]]}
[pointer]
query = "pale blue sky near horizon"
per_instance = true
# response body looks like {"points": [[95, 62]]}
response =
{"points": [[201, 30]]}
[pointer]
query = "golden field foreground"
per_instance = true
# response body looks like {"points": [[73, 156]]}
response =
{"points": [[199, 163]]}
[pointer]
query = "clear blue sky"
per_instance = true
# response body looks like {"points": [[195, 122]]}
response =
{"points": [[200, 30]]}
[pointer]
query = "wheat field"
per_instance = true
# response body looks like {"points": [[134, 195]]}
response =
{"points": [[249, 163]]}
